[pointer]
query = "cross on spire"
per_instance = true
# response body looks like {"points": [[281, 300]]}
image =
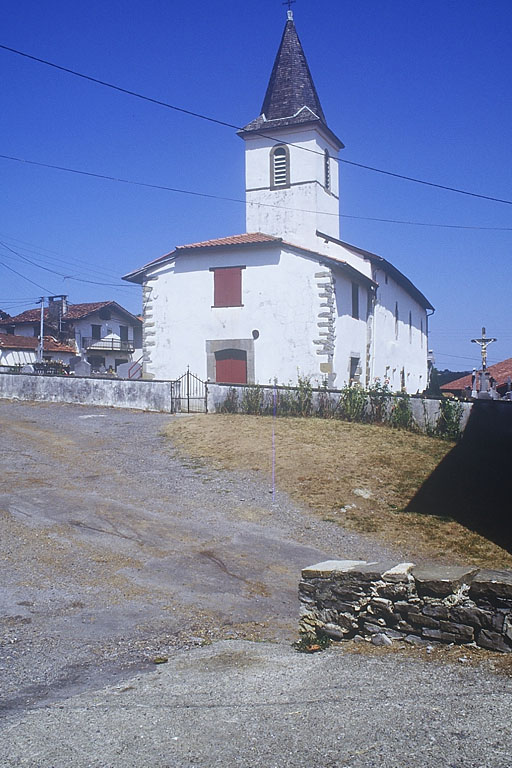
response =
{"points": [[289, 3]]}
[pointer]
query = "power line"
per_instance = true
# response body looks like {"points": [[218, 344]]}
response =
{"points": [[178, 190], [225, 124], [67, 261], [47, 290], [60, 274]]}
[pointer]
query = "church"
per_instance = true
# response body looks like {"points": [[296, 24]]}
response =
{"points": [[288, 297]]}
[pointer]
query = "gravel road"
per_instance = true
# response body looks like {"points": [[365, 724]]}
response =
{"points": [[116, 551]]}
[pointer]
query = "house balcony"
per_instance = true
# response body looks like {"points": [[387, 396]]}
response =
{"points": [[107, 345]]}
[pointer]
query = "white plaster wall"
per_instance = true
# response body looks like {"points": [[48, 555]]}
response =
{"points": [[116, 393], [25, 329], [305, 205], [409, 349], [280, 298], [350, 333]]}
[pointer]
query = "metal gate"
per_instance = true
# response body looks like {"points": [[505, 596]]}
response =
{"points": [[190, 394]]}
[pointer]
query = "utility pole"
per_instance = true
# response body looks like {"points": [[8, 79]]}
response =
{"points": [[41, 332], [483, 342]]}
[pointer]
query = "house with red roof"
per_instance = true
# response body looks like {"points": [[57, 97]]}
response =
{"points": [[103, 333], [501, 373], [23, 350], [288, 297]]}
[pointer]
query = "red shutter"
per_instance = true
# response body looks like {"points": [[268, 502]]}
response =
{"points": [[227, 290]]}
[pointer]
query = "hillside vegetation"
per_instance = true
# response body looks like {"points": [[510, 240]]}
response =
{"points": [[361, 476]]}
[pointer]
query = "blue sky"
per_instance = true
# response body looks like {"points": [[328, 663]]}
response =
{"points": [[421, 89]]}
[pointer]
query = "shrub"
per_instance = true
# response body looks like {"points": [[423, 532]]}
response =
{"points": [[449, 423], [401, 413], [252, 400], [230, 404], [379, 399], [352, 404]]}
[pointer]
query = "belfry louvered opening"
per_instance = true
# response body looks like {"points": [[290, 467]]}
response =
{"points": [[280, 167]]}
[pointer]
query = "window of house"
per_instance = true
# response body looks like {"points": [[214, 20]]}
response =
{"points": [[327, 170], [105, 314], [123, 332], [96, 331], [355, 301], [421, 334], [396, 319], [227, 286], [279, 167]]}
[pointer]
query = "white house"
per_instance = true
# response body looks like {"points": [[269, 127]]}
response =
{"points": [[288, 297], [103, 333], [23, 350]]}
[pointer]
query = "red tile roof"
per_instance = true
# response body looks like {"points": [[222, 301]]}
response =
{"points": [[74, 312], [246, 238], [500, 372], [10, 341]]}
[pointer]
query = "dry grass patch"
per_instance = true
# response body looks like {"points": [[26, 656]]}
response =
{"points": [[361, 476]]}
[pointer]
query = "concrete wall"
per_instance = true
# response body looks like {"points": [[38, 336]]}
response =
{"points": [[383, 602], [141, 395]]}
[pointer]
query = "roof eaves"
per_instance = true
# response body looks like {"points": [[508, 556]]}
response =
{"points": [[395, 273], [133, 277]]}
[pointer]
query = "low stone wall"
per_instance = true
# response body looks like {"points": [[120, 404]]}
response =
{"points": [[383, 602], [117, 393], [425, 411]]}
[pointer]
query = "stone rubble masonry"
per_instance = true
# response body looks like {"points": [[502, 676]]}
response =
{"points": [[383, 602]]}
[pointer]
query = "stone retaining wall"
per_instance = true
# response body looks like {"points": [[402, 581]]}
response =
{"points": [[384, 602], [117, 393]]}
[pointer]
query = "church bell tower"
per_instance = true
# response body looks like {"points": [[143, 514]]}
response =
{"points": [[291, 167]]}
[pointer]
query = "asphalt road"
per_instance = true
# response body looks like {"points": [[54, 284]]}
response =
{"points": [[115, 551]]}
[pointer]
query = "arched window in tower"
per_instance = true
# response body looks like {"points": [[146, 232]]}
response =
{"points": [[327, 170], [279, 167], [396, 319]]}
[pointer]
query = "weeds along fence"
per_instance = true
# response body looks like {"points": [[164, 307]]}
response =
{"points": [[444, 418]]}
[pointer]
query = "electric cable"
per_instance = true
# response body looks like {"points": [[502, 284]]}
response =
{"points": [[226, 124], [178, 190]]}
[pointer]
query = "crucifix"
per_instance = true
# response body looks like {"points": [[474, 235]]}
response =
{"points": [[289, 3], [483, 343]]}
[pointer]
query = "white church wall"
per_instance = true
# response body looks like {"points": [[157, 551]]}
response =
{"points": [[398, 345], [350, 334], [280, 302]]}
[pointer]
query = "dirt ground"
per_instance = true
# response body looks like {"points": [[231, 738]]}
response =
{"points": [[116, 551], [118, 554]]}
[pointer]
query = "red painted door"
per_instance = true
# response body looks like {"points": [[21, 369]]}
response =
{"points": [[231, 366]]}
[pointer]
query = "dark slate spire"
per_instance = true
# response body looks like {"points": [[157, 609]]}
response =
{"points": [[291, 97], [291, 86]]}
